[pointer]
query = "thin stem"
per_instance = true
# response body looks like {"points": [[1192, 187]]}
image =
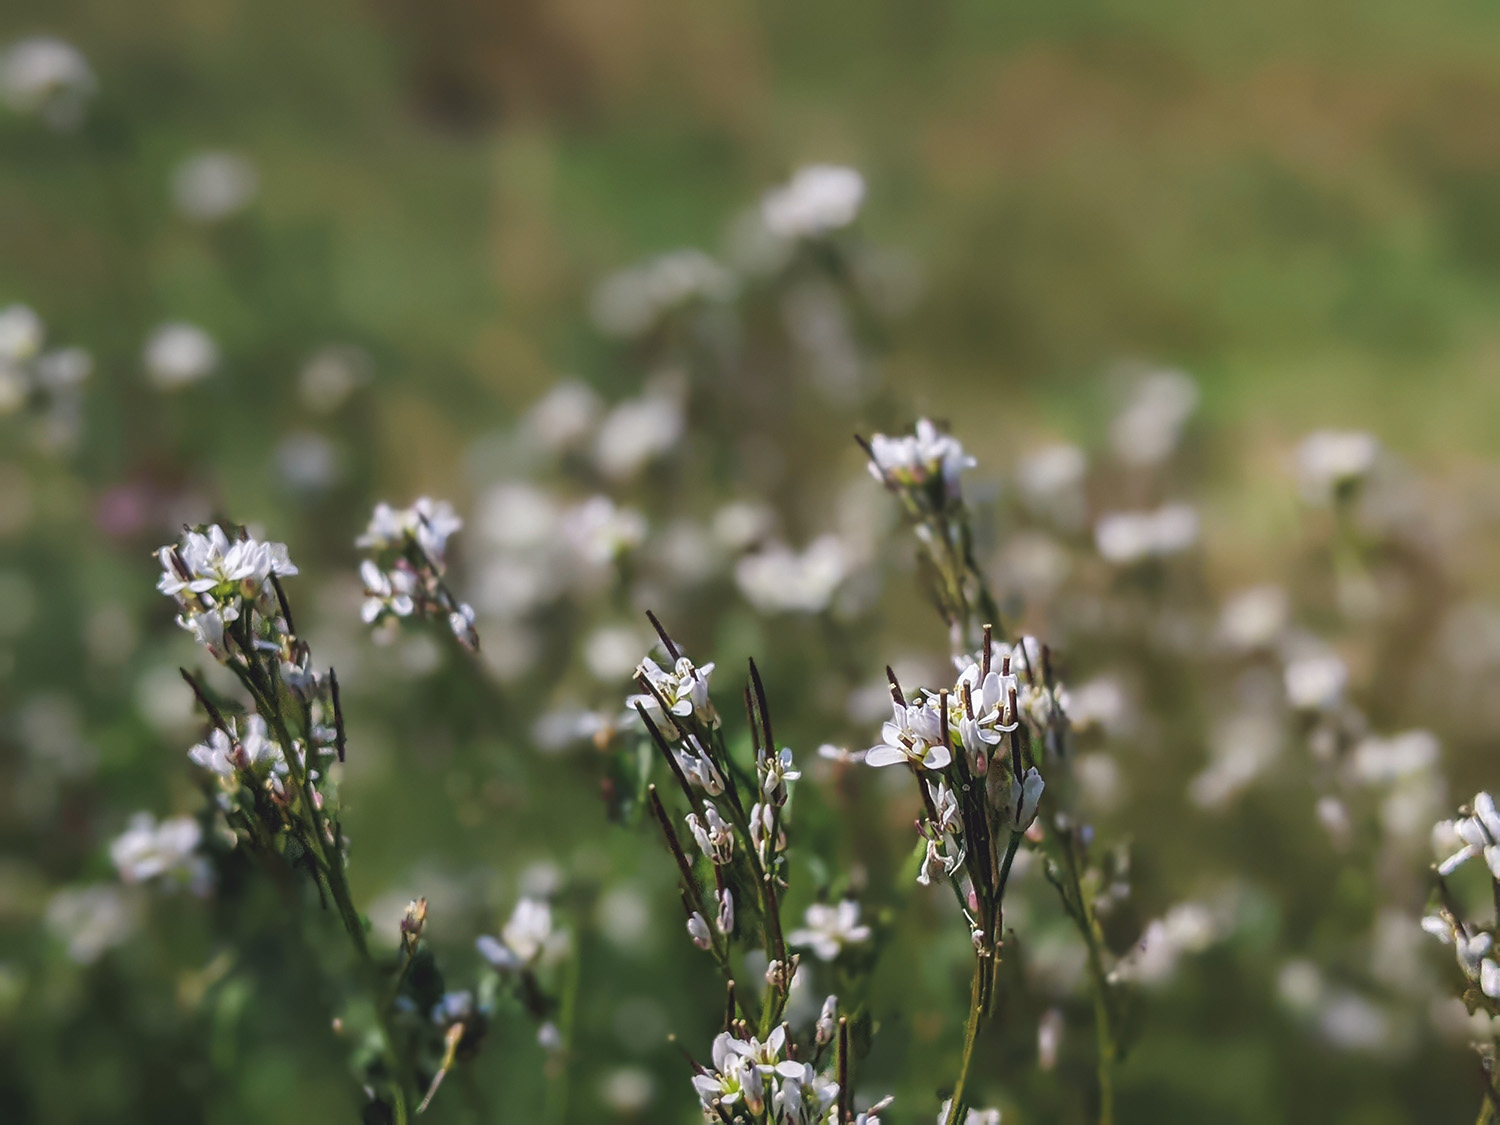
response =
{"points": [[958, 1106], [1088, 926]]}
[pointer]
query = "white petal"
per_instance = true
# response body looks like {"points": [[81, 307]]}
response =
{"points": [[884, 755]]}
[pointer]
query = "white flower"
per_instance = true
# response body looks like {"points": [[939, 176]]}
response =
{"points": [[938, 864], [823, 1030], [1025, 795], [818, 200], [637, 432], [209, 186], [47, 77], [1331, 460], [827, 929], [698, 930], [21, 334], [427, 522], [91, 920], [699, 769], [633, 301], [713, 835], [148, 850], [1472, 951], [778, 579], [1125, 538], [1150, 427], [208, 562], [912, 735], [1472, 835], [563, 417], [386, 591], [255, 752], [461, 624], [912, 460], [178, 354], [600, 532], [725, 920], [684, 690], [523, 939], [1253, 619], [1315, 682], [735, 1077], [775, 771], [841, 754]]}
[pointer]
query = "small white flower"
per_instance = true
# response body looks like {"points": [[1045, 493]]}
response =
{"points": [[633, 301], [1148, 430], [684, 690], [698, 930], [912, 735], [819, 199], [699, 769], [714, 837], [47, 77], [386, 591], [775, 771], [523, 938], [428, 523], [637, 432], [1025, 795], [178, 354], [209, 563], [913, 460], [255, 752], [1331, 460], [1315, 682], [169, 850], [778, 579], [1126, 538], [209, 186], [827, 929], [725, 920], [827, 1025]]}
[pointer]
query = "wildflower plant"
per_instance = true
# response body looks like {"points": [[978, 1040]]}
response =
{"points": [[734, 878], [271, 758], [981, 750]]}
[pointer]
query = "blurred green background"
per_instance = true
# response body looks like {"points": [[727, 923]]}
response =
{"points": [[1298, 203]]}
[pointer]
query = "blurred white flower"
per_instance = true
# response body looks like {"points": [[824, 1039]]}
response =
{"points": [[1380, 761], [1125, 538], [781, 580], [1188, 927], [48, 77], [91, 920], [307, 461], [167, 850], [564, 417], [635, 300], [1254, 619], [178, 354], [827, 929], [331, 375], [1315, 681], [599, 531], [21, 334], [1242, 748], [1149, 428], [627, 1090], [1050, 482], [972, 1117], [612, 652], [524, 938], [1330, 460], [209, 186], [741, 524], [428, 523], [912, 460], [819, 199], [637, 432]]}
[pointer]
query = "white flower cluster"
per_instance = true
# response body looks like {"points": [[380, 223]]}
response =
{"points": [[48, 78], [217, 580], [1331, 462], [778, 579], [751, 1081], [828, 928], [405, 575], [1127, 538], [818, 200], [526, 939], [914, 463], [1475, 834], [165, 851], [635, 300], [54, 376]]}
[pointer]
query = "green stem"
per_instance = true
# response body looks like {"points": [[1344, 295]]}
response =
{"points": [[958, 1106], [1088, 926], [1486, 1111]]}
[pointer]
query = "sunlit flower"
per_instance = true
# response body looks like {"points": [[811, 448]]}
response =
{"points": [[522, 940], [912, 460], [913, 735], [684, 690], [208, 562]]}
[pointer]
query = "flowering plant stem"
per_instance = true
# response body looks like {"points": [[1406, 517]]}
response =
{"points": [[959, 1107], [1081, 911]]}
